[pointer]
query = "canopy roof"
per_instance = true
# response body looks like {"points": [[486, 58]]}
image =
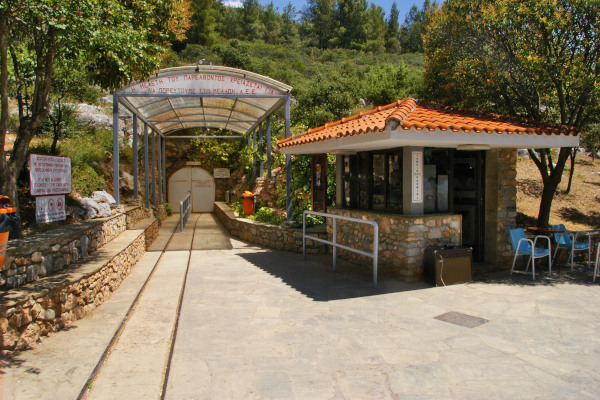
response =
{"points": [[204, 96], [412, 123]]}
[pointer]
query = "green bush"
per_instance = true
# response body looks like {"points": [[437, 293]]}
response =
{"points": [[265, 214], [311, 220], [84, 179]]}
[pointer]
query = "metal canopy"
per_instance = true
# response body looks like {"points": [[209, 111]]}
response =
{"points": [[192, 97], [204, 96]]}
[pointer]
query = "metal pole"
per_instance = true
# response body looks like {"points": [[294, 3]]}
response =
{"points": [[261, 168], [334, 241], [153, 139], [164, 159], [159, 169], [116, 149], [253, 155], [269, 148], [135, 158], [288, 163], [146, 167]]}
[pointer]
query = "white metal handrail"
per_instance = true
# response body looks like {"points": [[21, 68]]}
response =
{"points": [[185, 211], [335, 245]]}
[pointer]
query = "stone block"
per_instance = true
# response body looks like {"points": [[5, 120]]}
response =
{"points": [[58, 264], [37, 257]]}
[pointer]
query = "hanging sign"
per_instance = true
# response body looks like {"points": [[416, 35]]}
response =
{"points": [[49, 175], [50, 209]]}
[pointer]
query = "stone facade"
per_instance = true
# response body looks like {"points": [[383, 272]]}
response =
{"points": [[272, 236], [23, 322], [507, 206], [137, 214], [402, 239]]}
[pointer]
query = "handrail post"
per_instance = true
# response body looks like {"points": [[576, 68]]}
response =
{"points": [[374, 254], [304, 234], [334, 244]]}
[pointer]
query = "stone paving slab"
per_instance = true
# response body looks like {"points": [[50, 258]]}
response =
{"points": [[262, 324], [59, 367]]}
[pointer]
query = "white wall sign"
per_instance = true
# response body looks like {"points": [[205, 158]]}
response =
{"points": [[49, 175], [417, 176], [50, 209], [221, 173]]}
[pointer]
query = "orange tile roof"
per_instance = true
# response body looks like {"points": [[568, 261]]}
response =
{"points": [[411, 113]]}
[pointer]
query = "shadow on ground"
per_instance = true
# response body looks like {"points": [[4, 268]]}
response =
{"points": [[561, 274], [315, 278]]}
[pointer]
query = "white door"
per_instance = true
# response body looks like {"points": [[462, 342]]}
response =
{"points": [[196, 181]]}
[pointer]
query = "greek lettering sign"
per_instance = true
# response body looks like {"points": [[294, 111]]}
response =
{"points": [[202, 83], [221, 173], [49, 175], [50, 209]]}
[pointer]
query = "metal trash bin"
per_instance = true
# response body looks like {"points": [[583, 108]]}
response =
{"points": [[10, 221], [248, 202], [448, 265]]}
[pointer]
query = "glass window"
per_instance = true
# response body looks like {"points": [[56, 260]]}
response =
{"points": [[395, 182], [435, 180], [379, 181]]}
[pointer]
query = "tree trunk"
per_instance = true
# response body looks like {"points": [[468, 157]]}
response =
{"points": [[572, 157], [551, 177]]}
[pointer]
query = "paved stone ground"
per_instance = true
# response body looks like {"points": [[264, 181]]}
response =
{"points": [[262, 324]]}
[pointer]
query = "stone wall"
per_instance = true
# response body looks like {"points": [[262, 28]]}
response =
{"points": [[402, 239], [23, 322], [136, 214], [35, 257], [272, 236], [507, 205]]}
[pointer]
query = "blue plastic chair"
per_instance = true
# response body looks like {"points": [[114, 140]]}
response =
{"points": [[522, 246], [569, 241]]}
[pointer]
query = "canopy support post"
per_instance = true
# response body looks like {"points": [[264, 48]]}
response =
{"points": [[261, 165], [135, 158], [116, 149], [159, 170], [269, 147], [288, 162], [153, 168], [146, 167], [164, 167]]}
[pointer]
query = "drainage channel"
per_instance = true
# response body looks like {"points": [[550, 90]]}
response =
{"points": [[85, 391]]}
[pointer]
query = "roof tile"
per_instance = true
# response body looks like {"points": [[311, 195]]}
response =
{"points": [[410, 113]]}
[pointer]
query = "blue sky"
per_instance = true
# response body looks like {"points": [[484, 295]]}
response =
{"points": [[403, 5]]}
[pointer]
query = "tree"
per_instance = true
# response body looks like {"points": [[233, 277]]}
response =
{"points": [[319, 21], [289, 26], [376, 29], [538, 59], [204, 21], [352, 24], [392, 44], [385, 84], [118, 41]]}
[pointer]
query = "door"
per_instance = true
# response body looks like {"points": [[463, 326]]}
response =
{"points": [[467, 198], [196, 181]]}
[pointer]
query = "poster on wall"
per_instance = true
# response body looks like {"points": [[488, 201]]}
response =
{"points": [[49, 175], [50, 209]]}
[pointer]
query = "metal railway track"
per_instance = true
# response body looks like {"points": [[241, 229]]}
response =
{"points": [[113, 342]]}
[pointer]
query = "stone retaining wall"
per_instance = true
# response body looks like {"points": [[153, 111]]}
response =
{"points": [[272, 236], [402, 239], [35, 257], [22, 323], [137, 214]]}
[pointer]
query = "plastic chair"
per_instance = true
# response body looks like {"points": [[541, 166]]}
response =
{"points": [[597, 265], [523, 246], [567, 240]]}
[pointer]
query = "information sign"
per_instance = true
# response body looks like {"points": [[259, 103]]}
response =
{"points": [[49, 175], [50, 209], [221, 173]]}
